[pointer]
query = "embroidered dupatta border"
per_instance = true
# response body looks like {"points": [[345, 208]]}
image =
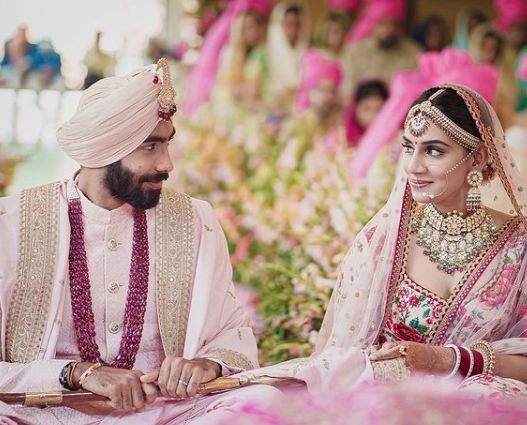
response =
{"points": [[468, 281], [37, 252], [174, 263], [407, 208]]}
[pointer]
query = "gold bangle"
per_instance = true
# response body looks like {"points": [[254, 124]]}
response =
{"points": [[69, 379], [88, 372], [488, 353]]}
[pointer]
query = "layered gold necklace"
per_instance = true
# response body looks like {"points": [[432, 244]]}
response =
{"points": [[452, 241]]}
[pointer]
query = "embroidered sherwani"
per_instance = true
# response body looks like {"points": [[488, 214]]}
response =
{"points": [[191, 306]]}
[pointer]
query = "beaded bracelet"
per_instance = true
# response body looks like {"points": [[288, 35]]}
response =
{"points": [[457, 362], [488, 353], [87, 373]]}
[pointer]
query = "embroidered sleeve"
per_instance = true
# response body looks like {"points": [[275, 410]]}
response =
{"points": [[230, 359]]}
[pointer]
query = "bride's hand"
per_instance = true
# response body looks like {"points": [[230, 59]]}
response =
{"points": [[420, 358], [387, 351]]}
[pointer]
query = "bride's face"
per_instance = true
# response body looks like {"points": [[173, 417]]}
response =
{"points": [[437, 168]]}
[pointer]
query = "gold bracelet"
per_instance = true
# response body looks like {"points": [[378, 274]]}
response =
{"points": [[488, 353], [88, 372], [69, 379]]}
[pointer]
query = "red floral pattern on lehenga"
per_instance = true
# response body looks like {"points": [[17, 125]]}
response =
{"points": [[414, 312]]}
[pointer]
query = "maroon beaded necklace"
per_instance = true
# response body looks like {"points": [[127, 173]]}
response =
{"points": [[81, 301]]}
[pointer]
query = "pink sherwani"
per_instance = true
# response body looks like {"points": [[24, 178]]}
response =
{"points": [[215, 321]]}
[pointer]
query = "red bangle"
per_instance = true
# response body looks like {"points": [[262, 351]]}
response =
{"points": [[465, 364], [478, 363]]}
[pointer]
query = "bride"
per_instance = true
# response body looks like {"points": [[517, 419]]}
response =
{"points": [[436, 283]]}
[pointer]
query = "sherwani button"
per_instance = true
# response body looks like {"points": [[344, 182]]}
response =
{"points": [[114, 327], [113, 287], [112, 245]]}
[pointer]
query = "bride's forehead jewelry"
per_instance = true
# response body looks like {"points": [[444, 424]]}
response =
{"points": [[421, 115]]}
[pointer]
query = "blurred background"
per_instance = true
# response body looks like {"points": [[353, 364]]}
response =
{"points": [[288, 120]]}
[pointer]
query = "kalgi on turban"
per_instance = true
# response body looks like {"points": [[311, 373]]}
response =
{"points": [[116, 114]]}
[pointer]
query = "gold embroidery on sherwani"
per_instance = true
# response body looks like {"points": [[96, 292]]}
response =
{"points": [[232, 359], [37, 251], [174, 263]]}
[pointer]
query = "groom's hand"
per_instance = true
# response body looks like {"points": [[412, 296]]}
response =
{"points": [[181, 378]]}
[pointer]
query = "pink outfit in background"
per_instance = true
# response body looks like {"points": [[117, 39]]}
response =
{"points": [[316, 69], [448, 66], [374, 12], [509, 13], [203, 75]]}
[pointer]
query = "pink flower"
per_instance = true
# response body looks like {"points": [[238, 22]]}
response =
{"points": [[413, 301], [496, 294]]}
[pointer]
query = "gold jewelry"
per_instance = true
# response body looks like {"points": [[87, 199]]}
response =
{"points": [[474, 179], [71, 371], [488, 355], [167, 93], [87, 373], [453, 241], [419, 118], [403, 350]]}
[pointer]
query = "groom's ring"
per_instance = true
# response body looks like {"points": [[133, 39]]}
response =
{"points": [[183, 382]]}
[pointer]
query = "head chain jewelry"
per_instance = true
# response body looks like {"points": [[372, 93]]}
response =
{"points": [[420, 115]]}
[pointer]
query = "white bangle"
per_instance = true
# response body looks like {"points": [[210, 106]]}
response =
{"points": [[471, 367], [457, 363]]}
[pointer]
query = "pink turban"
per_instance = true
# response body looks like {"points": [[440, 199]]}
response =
{"points": [[203, 74], [349, 6], [115, 115], [374, 12], [510, 12], [317, 68], [436, 68]]}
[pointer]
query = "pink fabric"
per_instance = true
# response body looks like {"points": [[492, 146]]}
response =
{"points": [[115, 115], [203, 75], [317, 68], [375, 12], [448, 66], [353, 130], [509, 13], [349, 6]]}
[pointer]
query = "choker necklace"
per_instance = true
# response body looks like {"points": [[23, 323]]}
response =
{"points": [[81, 300], [452, 241]]}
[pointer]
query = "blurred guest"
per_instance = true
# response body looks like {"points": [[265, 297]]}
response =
{"points": [[332, 33], [243, 74], [48, 66], [203, 75], [378, 48], [99, 63], [367, 103], [432, 34], [318, 121], [467, 20], [487, 45], [288, 40], [19, 59], [511, 21]]}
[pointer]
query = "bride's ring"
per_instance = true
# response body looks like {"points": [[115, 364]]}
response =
{"points": [[183, 382]]}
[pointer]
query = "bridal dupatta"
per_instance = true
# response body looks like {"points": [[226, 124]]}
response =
{"points": [[489, 303]]}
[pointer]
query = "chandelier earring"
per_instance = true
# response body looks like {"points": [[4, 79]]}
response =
{"points": [[474, 179]]}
